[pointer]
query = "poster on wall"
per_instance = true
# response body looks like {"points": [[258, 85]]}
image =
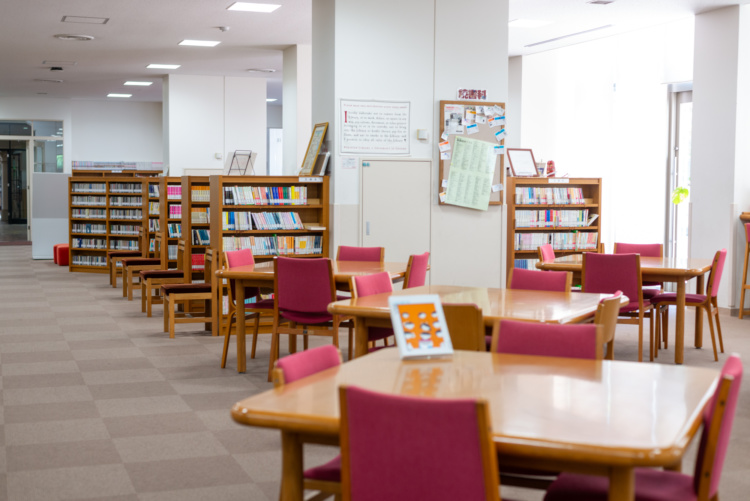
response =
{"points": [[375, 127]]}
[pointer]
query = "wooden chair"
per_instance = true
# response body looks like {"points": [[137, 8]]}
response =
{"points": [[546, 253], [348, 253], [325, 478], [152, 280], [650, 289], [175, 294], [708, 302], [260, 307], [606, 316], [416, 270], [385, 455], [367, 285], [303, 289], [466, 326], [549, 340], [114, 263], [609, 273], [657, 485], [131, 267], [557, 281], [745, 285]]}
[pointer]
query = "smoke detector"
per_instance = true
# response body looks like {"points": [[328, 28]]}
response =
{"points": [[74, 38]]}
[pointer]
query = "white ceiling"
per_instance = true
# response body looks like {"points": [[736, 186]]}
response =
{"points": [[147, 31]]}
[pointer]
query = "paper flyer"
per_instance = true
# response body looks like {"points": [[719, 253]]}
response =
{"points": [[471, 173], [454, 118]]}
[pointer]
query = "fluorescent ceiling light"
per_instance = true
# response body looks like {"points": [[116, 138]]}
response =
{"points": [[270, 100], [155, 66], [119, 95], [528, 23], [569, 36], [85, 19], [142, 84], [200, 43], [262, 70], [253, 7]]}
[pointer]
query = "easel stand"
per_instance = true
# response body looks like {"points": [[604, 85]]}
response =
{"points": [[241, 160]]}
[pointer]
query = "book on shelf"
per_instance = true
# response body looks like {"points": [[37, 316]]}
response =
{"points": [[592, 219], [198, 261], [174, 192], [321, 163], [200, 194], [265, 195]]}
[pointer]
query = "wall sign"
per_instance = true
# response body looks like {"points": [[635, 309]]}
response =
{"points": [[375, 127]]}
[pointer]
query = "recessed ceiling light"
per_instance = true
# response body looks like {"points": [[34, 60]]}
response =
{"points": [[601, 2], [262, 70], [47, 80], [41, 93], [59, 63], [119, 95], [156, 66], [270, 100], [85, 20], [74, 38], [253, 7], [199, 43], [528, 23], [142, 84]]}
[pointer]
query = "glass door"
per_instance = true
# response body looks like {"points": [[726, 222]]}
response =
{"points": [[679, 214]]}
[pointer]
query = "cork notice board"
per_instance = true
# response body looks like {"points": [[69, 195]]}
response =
{"points": [[449, 122]]}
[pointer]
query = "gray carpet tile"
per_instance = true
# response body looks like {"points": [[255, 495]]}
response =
{"points": [[98, 403]]}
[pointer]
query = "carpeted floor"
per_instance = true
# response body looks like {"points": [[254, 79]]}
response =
{"points": [[98, 403]]}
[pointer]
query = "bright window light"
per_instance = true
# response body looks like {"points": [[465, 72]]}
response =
{"points": [[200, 43], [155, 66], [119, 95], [270, 100], [253, 7], [140, 84], [528, 23]]}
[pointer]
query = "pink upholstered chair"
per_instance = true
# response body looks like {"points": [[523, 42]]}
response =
{"points": [[655, 485], [347, 253], [260, 306], [389, 448], [546, 253], [303, 289], [708, 302], [609, 273], [650, 289], [549, 340], [416, 270], [367, 285], [326, 477], [745, 285], [558, 281]]}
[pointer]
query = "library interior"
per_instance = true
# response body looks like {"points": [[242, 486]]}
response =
{"points": [[232, 233]]}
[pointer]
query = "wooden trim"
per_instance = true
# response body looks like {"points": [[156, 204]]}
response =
{"points": [[705, 470]]}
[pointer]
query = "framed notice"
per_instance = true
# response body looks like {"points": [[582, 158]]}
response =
{"points": [[375, 127], [313, 148], [522, 162], [419, 326]]}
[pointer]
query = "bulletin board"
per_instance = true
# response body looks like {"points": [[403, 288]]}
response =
{"points": [[484, 132]]}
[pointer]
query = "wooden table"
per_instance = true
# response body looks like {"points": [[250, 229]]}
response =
{"points": [[598, 417], [657, 269], [261, 275], [496, 304]]}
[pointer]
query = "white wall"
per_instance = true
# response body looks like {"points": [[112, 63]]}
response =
{"points": [[297, 89], [113, 131], [274, 116], [513, 109], [245, 121]]}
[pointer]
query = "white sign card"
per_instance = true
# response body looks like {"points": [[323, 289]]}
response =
{"points": [[419, 326], [375, 127]]}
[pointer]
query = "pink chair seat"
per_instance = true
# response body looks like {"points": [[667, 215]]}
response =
{"points": [[306, 318], [329, 472], [650, 485], [633, 306], [649, 293], [671, 296]]}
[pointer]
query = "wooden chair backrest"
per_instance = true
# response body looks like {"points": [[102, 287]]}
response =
{"points": [[181, 256], [606, 316], [466, 326]]}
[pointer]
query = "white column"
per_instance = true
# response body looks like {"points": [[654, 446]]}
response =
{"points": [[297, 110]]}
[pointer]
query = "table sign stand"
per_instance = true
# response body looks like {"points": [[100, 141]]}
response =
{"points": [[241, 160], [419, 326]]}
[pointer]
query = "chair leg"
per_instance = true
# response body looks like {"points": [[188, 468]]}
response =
{"points": [[715, 307], [657, 332], [166, 313], [124, 283], [665, 318], [640, 336], [711, 328], [149, 297], [652, 340], [255, 336], [224, 353], [171, 316], [274, 347], [143, 295], [131, 284]]}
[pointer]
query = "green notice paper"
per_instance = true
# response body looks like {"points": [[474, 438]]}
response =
{"points": [[470, 176]]}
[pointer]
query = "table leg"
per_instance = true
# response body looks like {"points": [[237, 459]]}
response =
{"points": [[239, 293], [699, 315], [621, 484], [360, 337], [291, 467], [679, 328]]}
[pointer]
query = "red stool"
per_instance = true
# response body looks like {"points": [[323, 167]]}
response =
{"points": [[61, 254]]}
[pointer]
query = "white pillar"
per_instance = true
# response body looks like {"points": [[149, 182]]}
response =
{"points": [[297, 110]]}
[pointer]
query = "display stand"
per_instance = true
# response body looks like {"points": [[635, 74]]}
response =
{"points": [[241, 160]]}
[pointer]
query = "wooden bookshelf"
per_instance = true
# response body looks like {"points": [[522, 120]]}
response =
{"points": [[104, 214], [170, 200], [115, 173], [297, 201], [562, 222], [153, 214], [190, 225]]}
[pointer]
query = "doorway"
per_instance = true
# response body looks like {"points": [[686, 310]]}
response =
{"points": [[678, 183], [14, 193]]}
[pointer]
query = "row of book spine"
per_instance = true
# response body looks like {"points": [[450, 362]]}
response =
{"points": [[265, 195], [549, 196], [241, 221], [559, 241], [90, 200], [174, 192], [153, 208], [89, 243], [201, 237], [153, 225], [200, 215], [200, 194], [551, 218], [125, 201], [125, 214], [89, 228], [153, 190], [175, 211], [197, 261], [123, 244], [172, 252], [89, 188], [175, 230], [124, 229], [525, 264], [83, 260], [89, 213], [125, 188], [275, 245]]}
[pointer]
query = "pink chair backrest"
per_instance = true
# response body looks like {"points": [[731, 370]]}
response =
{"points": [[547, 340], [242, 257], [304, 285], [417, 270], [539, 280], [405, 448], [347, 253], [548, 253], [377, 283], [732, 367], [747, 232], [645, 250], [308, 362], [608, 273], [716, 271]]}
